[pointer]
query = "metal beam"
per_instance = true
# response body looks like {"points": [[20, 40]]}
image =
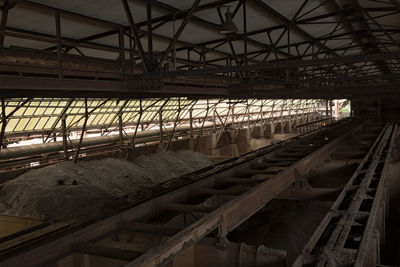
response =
{"points": [[3, 22], [290, 24], [149, 36], [178, 33], [135, 33]]}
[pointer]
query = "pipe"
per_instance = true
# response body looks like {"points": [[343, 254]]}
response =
{"points": [[36, 149]]}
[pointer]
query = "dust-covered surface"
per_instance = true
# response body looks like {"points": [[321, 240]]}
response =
{"points": [[90, 189], [283, 224]]}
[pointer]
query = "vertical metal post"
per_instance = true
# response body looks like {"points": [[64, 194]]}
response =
{"points": [[326, 106], [175, 124], [121, 135], [227, 65], [149, 36], [248, 114], [330, 109], [173, 34], [202, 125], [138, 123], [191, 122], [131, 51], [64, 135], [336, 109], [288, 41], [245, 31], [136, 36], [82, 133], [272, 110], [214, 122], [3, 22], [122, 50], [351, 109], [188, 58], [160, 120], [233, 113], [203, 50], [3, 122], [59, 44]]}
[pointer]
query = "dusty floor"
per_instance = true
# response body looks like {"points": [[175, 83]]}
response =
{"points": [[275, 226], [91, 189]]}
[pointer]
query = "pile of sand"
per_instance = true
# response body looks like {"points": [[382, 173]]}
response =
{"points": [[90, 189]]}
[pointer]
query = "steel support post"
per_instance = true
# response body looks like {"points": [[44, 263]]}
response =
{"points": [[233, 114], [3, 123], [175, 123], [202, 125], [149, 35], [82, 133], [178, 33], [120, 129], [326, 107], [248, 114], [203, 52], [121, 43], [131, 51], [336, 109], [3, 22], [53, 128], [160, 121], [188, 59], [214, 117], [64, 135], [59, 44], [191, 123], [135, 33], [245, 32], [138, 122], [351, 109], [224, 122], [5, 118]]}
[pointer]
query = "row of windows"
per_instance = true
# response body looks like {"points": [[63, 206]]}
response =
{"points": [[44, 114]]}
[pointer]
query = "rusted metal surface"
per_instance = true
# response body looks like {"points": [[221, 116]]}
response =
{"points": [[352, 232], [213, 212]]}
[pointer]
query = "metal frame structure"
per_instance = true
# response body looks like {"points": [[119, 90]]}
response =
{"points": [[219, 199], [52, 117], [354, 229], [314, 49]]}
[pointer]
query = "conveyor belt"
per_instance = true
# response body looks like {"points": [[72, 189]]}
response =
{"points": [[217, 201], [350, 233]]}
